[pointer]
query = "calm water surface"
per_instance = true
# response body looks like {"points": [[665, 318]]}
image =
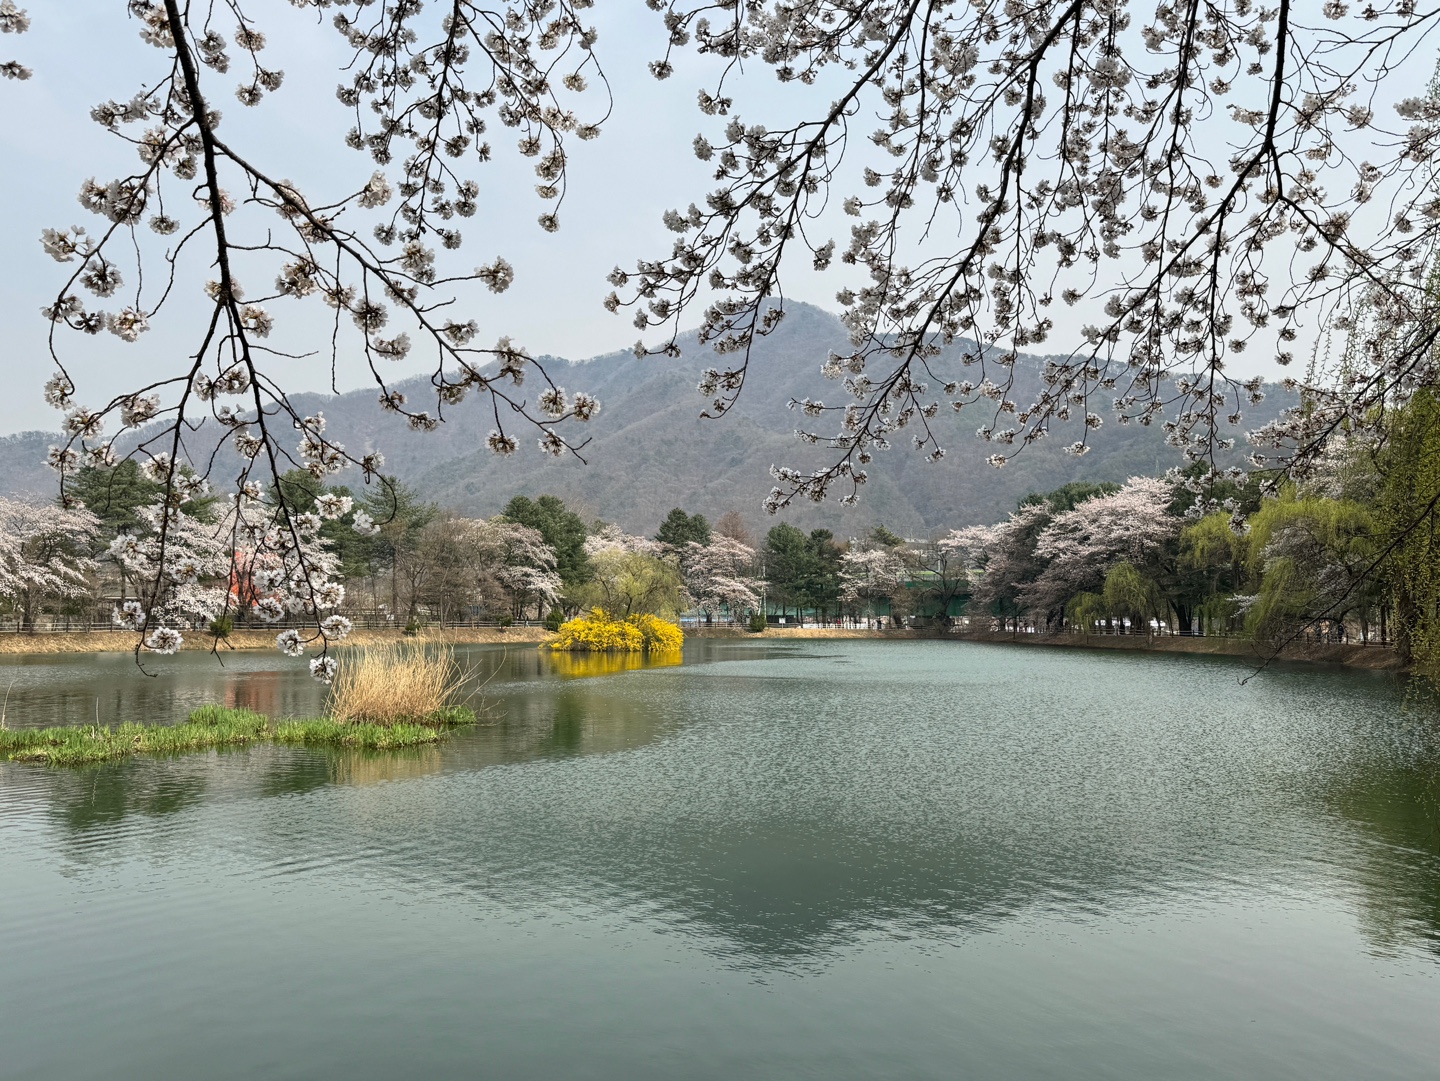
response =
{"points": [[828, 860]]}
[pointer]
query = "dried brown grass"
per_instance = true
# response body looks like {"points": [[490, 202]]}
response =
{"points": [[397, 682]]}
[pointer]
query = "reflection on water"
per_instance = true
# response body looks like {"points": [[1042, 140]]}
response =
{"points": [[882, 826], [581, 665], [108, 688]]}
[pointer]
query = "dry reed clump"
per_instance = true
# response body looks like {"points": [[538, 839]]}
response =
{"points": [[398, 683]]}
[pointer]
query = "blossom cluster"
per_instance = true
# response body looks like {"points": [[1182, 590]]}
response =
{"points": [[423, 87], [1033, 158]]}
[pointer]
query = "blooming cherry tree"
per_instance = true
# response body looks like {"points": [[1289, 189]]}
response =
{"points": [[422, 86], [251, 558], [13, 21], [720, 575], [1197, 181], [44, 552], [1082, 545], [872, 573], [522, 564]]}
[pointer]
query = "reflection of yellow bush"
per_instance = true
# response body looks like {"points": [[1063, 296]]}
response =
{"points": [[577, 665], [600, 632]]}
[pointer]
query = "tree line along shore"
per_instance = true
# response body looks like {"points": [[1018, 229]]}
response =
{"points": [[1328, 560]]}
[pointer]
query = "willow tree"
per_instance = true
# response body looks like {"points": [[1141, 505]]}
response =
{"points": [[1197, 179], [1407, 524]]}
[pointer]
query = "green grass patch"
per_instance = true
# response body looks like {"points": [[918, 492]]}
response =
{"points": [[217, 726]]}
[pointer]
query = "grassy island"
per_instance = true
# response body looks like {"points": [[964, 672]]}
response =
{"points": [[383, 699], [217, 726]]}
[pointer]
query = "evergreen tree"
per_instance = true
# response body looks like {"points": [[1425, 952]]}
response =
{"points": [[562, 529], [803, 572], [680, 529], [882, 537], [785, 559], [821, 584], [115, 495]]}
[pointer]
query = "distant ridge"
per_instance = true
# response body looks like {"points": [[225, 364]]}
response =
{"points": [[650, 451]]}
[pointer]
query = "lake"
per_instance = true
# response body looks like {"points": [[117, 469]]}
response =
{"points": [[778, 860]]}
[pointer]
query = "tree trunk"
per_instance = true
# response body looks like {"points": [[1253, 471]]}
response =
{"points": [[1183, 616]]}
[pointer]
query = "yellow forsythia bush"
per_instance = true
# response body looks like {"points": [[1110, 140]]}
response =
{"points": [[600, 632]]}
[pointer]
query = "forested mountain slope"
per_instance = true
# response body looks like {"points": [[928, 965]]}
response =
{"points": [[650, 451]]}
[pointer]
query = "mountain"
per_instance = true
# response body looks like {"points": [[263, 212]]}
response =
{"points": [[23, 471], [650, 451]]}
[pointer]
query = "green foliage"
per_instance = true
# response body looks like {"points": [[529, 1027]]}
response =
{"points": [[221, 626], [1310, 557], [757, 623], [884, 538], [1406, 514], [1283, 601], [1219, 613], [115, 494], [563, 530], [680, 529], [209, 727], [1130, 593], [634, 583], [1071, 495], [1211, 545], [401, 516], [802, 571], [1085, 610], [553, 619], [1335, 525]]}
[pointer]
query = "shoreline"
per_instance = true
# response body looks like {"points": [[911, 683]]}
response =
{"points": [[1375, 658], [1372, 657], [123, 641]]}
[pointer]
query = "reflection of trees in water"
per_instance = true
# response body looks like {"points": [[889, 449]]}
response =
{"points": [[100, 797], [569, 721], [777, 849], [110, 689], [1397, 880], [350, 767]]}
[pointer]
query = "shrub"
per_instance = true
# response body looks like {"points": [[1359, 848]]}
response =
{"points": [[414, 627], [757, 622], [396, 683], [600, 632], [222, 627], [554, 620]]}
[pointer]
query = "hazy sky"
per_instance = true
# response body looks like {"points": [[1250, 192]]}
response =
{"points": [[87, 51]]}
